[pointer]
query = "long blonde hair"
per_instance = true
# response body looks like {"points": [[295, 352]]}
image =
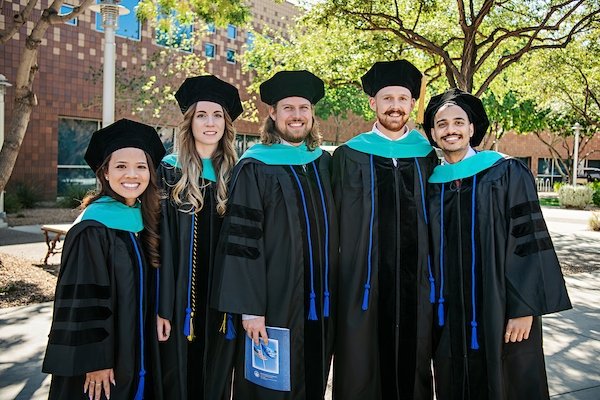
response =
{"points": [[188, 190], [269, 134]]}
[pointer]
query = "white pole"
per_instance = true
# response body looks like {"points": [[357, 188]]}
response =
{"points": [[3, 85], [576, 128], [108, 85]]}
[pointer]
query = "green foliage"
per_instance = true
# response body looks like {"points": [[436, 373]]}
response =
{"points": [[575, 196], [557, 185], [73, 195], [220, 12], [595, 186], [27, 195], [12, 204], [468, 44], [594, 221]]}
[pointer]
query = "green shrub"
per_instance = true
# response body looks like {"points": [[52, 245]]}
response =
{"points": [[73, 195], [28, 195], [557, 185], [595, 221], [575, 196], [596, 196], [11, 203]]}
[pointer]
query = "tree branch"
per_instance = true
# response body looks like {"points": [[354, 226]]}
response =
{"points": [[18, 21]]}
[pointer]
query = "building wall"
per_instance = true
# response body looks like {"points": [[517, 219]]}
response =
{"points": [[64, 87]]}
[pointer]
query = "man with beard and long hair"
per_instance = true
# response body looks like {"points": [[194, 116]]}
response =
{"points": [[277, 254], [383, 340]]}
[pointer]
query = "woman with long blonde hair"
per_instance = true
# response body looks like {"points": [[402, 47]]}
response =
{"points": [[196, 356]]}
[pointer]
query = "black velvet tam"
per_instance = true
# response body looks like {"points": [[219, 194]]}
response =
{"points": [[472, 106], [209, 88], [121, 134], [392, 73], [291, 84]]}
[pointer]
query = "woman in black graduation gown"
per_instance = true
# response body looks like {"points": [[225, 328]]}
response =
{"points": [[96, 344], [196, 353]]}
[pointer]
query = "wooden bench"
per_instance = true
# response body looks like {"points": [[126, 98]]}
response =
{"points": [[53, 234]]}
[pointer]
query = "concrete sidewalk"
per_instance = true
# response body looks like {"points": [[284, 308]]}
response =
{"points": [[571, 338]]}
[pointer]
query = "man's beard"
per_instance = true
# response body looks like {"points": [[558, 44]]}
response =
{"points": [[292, 137], [393, 126]]}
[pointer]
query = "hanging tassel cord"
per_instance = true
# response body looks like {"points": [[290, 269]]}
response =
{"points": [[424, 206], [312, 313], [139, 395], [326, 224], [474, 343], [367, 286], [441, 297]]}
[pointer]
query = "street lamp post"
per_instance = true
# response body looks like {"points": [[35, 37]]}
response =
{"points": [[3, 85], [577, 129], [110, 11]]}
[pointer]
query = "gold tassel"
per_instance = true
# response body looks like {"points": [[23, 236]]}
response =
{"points": [[224, 324], [421, 111], [191, 336]]}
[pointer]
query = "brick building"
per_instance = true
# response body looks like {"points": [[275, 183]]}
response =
{"points": [[51, 155]]}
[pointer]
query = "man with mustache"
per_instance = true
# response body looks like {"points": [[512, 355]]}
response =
{"points": [[495, 268], [277, 255], [383, 346]]}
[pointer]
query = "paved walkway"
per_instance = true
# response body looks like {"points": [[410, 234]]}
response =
{"points": [[571, 338]]}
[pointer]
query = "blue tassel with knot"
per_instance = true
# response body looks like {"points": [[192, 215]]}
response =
{"points": [[231, 333], [139, 394], [365, 303], [431, 290], [326, 304], [474, 343], [312, 312], [441, 312], [186, 322]]}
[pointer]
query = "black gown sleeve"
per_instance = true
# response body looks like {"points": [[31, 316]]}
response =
{"points": [[82, 334], [534, 281], [240, 285], [168, 232]]}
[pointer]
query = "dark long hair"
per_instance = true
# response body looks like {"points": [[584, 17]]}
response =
{"points": [[150, 205]]}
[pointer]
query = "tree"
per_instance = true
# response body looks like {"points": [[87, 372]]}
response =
{"points": [[25, 100], [471, 42]]}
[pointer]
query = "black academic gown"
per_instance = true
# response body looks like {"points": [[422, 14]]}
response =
{"points": [[96, 321], [202, 368], [383, 352], [263, 257], [516, 274]]}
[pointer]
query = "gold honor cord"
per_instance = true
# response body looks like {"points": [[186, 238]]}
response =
{"points": [[191, 336]]}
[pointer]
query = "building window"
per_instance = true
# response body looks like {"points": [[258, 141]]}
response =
{"points": [[231, 31], [73, 138], [211, 28], [66, 9], [210, 50], [178, 37], [129, 26], [231, 56], [250, 41]]}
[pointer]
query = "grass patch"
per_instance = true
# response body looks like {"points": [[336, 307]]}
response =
{"points": [[549, 202]]}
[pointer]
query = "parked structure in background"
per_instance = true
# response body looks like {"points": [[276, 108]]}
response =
{"points": [[51, 156]]}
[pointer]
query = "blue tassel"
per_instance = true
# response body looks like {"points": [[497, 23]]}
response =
{"points": [[474, 343], [365, 304], [231, 333], [139, 394], [431, 290], [441, 313], [326, 304], [312, 313], [186, 323]]}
